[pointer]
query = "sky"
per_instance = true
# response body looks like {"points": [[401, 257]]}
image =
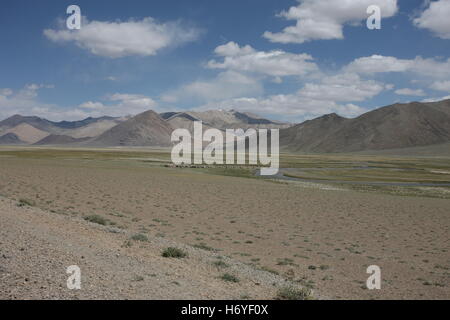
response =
{"points": [[289, 60]]}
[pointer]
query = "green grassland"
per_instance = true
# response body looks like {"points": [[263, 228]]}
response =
{"points": [[360, 172]]}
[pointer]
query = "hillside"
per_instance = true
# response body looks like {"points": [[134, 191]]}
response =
{"points": [[222, 119], [55, 139], [392, 127], [396, 126], [10, 139], [145, 129], [26, 133]]}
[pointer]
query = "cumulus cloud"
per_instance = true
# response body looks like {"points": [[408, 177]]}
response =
{"points": [[325, 19], [410, 92], [120, 39], [226, 85], [331, 94], [241, 85], [92, 105], [429, 67], [119, 104], [436, 99], [276, 63], [436, 19], [25, 102], [6, 92], [342, 87], [441, 86], [287, 106]]}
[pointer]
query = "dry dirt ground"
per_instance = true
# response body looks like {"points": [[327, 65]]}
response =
{"points": [[37, 247], [323, 238]]}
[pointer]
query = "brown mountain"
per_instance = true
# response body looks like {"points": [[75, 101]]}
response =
{"points": [[145, 129], [55, 139], [221, 119], [26, 132], [396, 126], [10, 139], [89, 127]]}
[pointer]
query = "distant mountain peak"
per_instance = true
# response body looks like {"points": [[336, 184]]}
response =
{"points": [[391, 127]]}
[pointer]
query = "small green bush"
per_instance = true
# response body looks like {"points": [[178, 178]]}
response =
{"points": [[220, 264], [291, 293], [139, 237], [96, 219], [229, 278], [203, 246], [25, 202], [173, 253]]}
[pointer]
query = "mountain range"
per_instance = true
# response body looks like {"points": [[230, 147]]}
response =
{"points": [[392, 127]]}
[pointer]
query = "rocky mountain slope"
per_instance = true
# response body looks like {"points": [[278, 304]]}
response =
{"points": [[222, 119], [396, 126], [393, 127], [145, 129], [10, 139]]}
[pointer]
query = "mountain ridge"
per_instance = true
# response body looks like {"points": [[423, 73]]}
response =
{"points": [[400, 125], [395, 126]]}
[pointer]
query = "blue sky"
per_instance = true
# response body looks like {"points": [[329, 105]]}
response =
{"points": [[289, 60]]}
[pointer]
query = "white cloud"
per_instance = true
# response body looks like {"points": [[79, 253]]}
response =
{"points": [[120, 39], [436, 18], [92, 105], [35, 86], [240, 86], [378, 63], [342, 87], [441, 86], [429, 67], [331, 94], [436, 99], [410, 92], [6, 92], [325, 19], [135, 101], [25, 102], [122, 104], [228, 84], [290, 106], [276, 63]]}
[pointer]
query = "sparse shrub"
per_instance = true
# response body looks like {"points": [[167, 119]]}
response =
{"points": [[138, 278], [96, 219], [286, 262], [267, 269], [127, 244], [220, 264], [229, 278], [291, 293], [173, 253], [25, 202], [139, 237], [203, 246]]}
